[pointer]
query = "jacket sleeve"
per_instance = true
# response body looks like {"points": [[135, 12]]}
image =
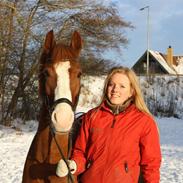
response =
{"points": [[150, 152], [79, 149]]}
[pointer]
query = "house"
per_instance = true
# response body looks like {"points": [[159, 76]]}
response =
{"points": [[159, 63]]}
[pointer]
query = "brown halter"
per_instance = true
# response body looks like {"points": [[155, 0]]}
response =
{"points": [[50, 109]]}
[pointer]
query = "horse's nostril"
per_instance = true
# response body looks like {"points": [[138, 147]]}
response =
{"points": [[55, 116]]}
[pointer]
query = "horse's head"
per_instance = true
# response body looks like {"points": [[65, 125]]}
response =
{"points": [[60, 79]]}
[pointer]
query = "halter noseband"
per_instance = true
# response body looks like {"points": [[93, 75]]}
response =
{"points": [[62, 100]]}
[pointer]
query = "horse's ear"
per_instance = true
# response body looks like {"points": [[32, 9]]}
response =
{"points": [[76, 41], [49, 41]]}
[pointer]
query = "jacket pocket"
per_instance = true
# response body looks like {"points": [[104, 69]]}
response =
{"points": [[89, 163], [124, 174], [132, 172]]}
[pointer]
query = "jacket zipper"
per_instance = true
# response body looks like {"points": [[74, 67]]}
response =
{"points": [[108, 148], [126, 167], [113, 122]]}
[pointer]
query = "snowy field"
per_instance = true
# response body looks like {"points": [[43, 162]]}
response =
{"points": [[14, 145]]}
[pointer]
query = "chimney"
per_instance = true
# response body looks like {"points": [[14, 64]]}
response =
{"points": [[170, 56]]}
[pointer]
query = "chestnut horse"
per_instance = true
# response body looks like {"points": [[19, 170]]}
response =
{"points": [[59, 85]]}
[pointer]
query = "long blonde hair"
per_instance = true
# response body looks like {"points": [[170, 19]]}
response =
{"points": [[135, 86]]}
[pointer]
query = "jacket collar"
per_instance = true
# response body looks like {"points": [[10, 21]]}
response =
{"points": [[105, 107]]}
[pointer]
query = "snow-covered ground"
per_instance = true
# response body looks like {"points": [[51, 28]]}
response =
{"points": [[171, 133], [14, 145]]}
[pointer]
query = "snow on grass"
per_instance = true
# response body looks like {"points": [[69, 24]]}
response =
{"points": [[15, 143]]}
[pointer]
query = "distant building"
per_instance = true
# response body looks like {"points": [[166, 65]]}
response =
{"points": [[159, 63]]}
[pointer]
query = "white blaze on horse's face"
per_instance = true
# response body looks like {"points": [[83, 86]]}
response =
{"points": [[63, 115]]}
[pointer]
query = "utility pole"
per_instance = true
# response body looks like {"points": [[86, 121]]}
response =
{"points": [[148, 30]]}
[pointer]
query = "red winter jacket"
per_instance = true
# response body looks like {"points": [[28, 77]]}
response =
{"points": [[112, 148]]}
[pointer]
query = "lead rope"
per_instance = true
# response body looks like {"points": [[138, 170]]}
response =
{"points": [[70, 178]]}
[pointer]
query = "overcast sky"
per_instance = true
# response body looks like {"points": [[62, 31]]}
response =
{"points": [[166, 27]]}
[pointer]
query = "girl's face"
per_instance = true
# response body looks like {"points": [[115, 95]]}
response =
{"points": [[119, 89]]}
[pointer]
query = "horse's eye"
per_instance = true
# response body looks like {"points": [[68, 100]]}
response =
{"points": [[46, 73], [79, 75]]}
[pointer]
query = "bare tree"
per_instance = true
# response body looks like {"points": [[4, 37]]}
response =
{"points": [[6, 29], [23, 26]]}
